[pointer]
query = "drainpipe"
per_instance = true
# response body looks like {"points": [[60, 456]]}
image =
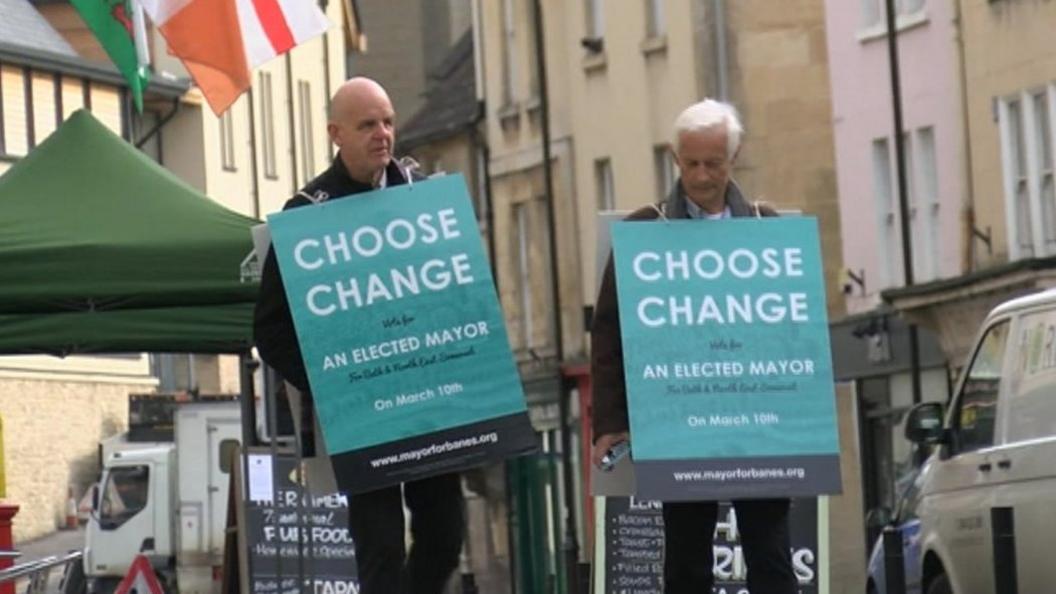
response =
{"points": [[479, 139], [482, 154], [903, 193], [293, 130], [255, 188], [722, 65], [570, 546], [968, 262], [326, 78]]}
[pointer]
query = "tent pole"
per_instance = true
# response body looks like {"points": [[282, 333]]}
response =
{"points": [[247, 365]]}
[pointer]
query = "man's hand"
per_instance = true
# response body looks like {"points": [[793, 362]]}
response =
{"points": [[601, 447]]}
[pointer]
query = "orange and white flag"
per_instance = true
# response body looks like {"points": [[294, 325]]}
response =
{"points": [[220, 42]]}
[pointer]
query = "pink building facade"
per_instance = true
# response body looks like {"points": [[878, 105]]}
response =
{"points": [[865, 150]]}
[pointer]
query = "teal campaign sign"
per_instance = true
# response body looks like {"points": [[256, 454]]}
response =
{"points": [[400, 330], [726, 358]]}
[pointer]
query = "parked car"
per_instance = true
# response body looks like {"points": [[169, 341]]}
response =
{"points": [[995, 450], [906, 523]]}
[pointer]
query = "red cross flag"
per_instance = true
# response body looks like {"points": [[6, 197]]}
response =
{"points": [[220, 42]]}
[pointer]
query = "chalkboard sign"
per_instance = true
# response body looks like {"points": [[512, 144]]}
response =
{"points": [[295, 535], [634, 546], [629, 550]]}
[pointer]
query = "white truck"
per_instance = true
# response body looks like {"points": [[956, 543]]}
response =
{"points": [[167, 500]]}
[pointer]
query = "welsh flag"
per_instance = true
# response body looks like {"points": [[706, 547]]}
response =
{"points": [[120, 27]]}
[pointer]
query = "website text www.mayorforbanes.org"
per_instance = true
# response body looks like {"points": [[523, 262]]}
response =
{"points": [[436, 449], [731, 474]]}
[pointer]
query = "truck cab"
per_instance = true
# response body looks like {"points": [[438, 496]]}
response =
{"points": [[166, 500], [131, 514]]}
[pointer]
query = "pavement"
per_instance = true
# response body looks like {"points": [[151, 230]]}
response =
{"points": [[56, 543]]}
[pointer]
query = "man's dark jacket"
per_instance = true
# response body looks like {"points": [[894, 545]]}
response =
{"points": [[606, 345], [273, 330]]}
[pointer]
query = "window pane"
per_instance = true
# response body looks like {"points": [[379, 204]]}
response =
{"points": [[509, 46], [1032, 408], [1021, 196], [654, 18], [603, 180], [977, 408], [1019, 154], [927, 165], [530, 54], [890, 250], [1043, 130], [124, 495], [595, 18], [1024, 230], [227, 143], [870, 13], [1048, 210], [524, 276], [1043, 142], [307, 137], [910, 6], [666, 175], [927, 205], [267, 125]]}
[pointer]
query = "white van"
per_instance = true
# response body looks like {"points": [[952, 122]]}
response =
{"points": [[996, 451]]}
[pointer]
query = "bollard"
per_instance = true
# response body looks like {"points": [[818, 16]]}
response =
{"points": [[894, 561], [7, 541], [1003, 532]]}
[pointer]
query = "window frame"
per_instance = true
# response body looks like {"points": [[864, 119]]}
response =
{"points": [[1022, 145]]}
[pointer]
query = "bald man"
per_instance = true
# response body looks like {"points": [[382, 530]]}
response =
{"points": [[362, 126]]}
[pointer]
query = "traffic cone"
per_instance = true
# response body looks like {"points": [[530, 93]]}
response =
{"points": [[71, 510]]}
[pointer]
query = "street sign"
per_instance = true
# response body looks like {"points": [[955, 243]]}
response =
{"points": [[140, 579]]}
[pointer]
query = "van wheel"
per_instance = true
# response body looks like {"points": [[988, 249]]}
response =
{"points": [[940, 585]]}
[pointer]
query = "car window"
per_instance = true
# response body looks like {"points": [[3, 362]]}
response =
{"points": [[909, 495], [976, 413], [124, 495], [1032, 389]]}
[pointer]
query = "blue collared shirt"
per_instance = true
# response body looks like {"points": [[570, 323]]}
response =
{"points": [[696, 212]]}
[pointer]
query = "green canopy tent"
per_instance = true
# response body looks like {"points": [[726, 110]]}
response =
{"points": [[103, 250]]}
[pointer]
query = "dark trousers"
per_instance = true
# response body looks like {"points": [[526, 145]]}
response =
{"points": [[689, 529], [437, 524]]}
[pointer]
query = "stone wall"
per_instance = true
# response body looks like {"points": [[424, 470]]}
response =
{"points": [[51, 433]]}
